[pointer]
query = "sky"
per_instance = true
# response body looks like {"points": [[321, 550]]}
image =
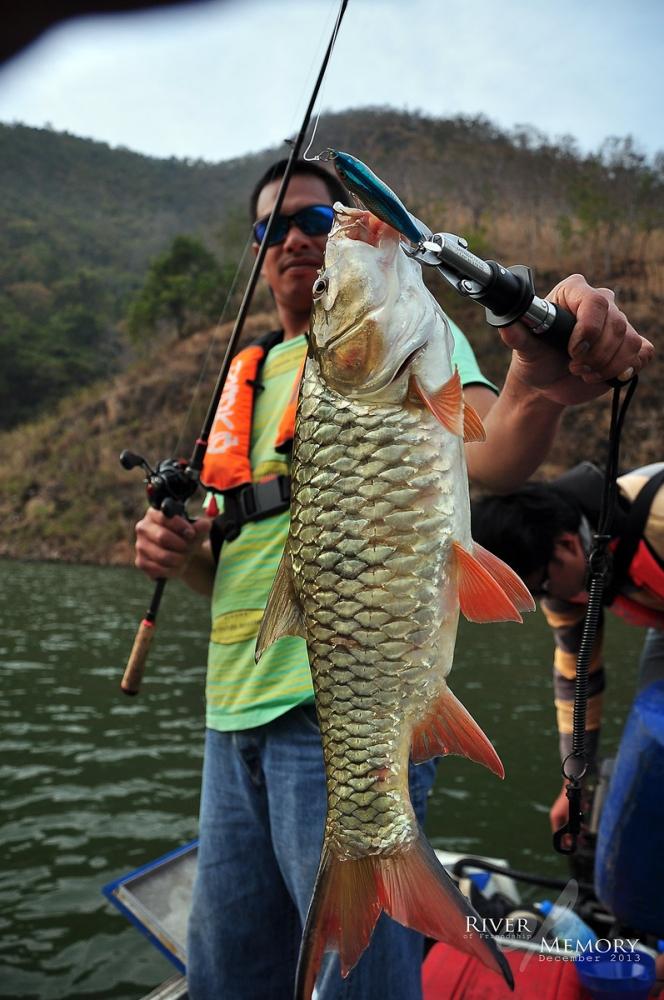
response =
{"points": [[219, 79]]}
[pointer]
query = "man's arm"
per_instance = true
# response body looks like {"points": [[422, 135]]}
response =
{"points": [[521, 423], [174, 548]]}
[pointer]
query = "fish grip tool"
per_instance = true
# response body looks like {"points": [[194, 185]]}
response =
{"points": [[174, 481], [575, 765], [507, 293]]}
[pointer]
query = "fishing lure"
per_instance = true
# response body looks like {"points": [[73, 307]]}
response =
{"points": [[376, 195]]}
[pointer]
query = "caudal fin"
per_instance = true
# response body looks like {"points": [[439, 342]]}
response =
{"points": [[342, 915], [411, 886]]}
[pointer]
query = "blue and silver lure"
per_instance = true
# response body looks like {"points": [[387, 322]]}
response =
{"points": [[376, 196]]}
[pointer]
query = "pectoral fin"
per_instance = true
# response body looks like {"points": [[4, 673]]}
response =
{"points": [[283, 614], [489, 591], [449, 409], [473, 428]]}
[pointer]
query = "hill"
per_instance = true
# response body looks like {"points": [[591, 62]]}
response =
{"points": [[81, 223]]}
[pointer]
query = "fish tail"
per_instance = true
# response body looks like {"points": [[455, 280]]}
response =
{"points": [[418, 893], [343, 912], [412, 887]]}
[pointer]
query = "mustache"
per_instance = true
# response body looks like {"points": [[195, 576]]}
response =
{"points": [[305, 260]]}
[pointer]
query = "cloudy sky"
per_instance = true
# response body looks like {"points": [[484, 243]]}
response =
{"points": [[223, 78]]}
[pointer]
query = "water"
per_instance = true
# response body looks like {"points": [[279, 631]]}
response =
{"points": [[95, 784]]}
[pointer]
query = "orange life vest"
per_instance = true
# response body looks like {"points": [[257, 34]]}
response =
{"points": [[227, 463], [647, 573]]}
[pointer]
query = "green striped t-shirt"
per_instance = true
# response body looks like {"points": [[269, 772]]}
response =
{"points": [[240, 693]]}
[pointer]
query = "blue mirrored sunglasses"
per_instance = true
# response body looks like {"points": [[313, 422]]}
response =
{"points": [[314, 220]]}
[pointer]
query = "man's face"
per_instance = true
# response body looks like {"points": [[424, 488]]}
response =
{"points": [[565, 574], [290, 268]]}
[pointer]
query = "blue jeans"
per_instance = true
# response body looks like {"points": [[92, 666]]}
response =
{"points": [[261, 828]]}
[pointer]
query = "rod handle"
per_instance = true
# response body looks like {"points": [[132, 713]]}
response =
{"points": [[133, 675]]}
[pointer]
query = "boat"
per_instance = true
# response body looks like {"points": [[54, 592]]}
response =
{"points": [[617, 879]]}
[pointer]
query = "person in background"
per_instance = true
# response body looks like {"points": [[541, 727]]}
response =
{"points": [[263, 797], [544, 531]]}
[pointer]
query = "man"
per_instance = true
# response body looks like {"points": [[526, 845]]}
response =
{"points": [[545, 532], [263, 800]]}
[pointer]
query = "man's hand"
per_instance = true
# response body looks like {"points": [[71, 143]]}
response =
{"points": [[165, 545], [603, 346]]}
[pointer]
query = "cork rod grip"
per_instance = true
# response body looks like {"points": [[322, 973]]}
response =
{"points": [[133, 675]]}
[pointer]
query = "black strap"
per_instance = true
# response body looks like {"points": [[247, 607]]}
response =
{"points": [[599, 563], [251, 502], [633, 531]]}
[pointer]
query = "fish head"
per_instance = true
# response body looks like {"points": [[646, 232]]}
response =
{"points": [[372, 315]]}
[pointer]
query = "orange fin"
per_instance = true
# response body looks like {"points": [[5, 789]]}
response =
{"points": [[342, 915], [450, 728], [481, 597], [448, 407], [411, 886], [503, 574], [417, 892], [445, 403], [473, 428]]}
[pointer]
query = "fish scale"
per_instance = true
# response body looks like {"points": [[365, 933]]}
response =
{"points": [[378, 562], [385, 645]]}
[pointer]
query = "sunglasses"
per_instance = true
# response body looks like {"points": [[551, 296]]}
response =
{"points": [[314, 220]]}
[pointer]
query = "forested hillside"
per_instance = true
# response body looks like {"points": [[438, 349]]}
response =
{"points": [[81, 225]]}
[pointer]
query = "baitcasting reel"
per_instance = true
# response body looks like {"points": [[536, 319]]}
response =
{"points": [[169, 486]]}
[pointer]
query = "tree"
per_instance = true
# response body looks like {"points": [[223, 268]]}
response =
{"points": [[184, 291]]}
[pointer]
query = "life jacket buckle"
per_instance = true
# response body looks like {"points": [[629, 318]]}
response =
{"points": [[259, 500]]}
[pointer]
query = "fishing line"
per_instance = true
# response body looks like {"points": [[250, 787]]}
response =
{"points": [[333, 19], [335, 32], [213, 342]]}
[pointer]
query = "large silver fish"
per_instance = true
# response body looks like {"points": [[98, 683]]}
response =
{"points": [[378, 562]]}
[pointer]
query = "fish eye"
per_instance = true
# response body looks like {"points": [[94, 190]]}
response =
{"points": [[319, 289]]}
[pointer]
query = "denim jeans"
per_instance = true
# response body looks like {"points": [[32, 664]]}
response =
{"points": [[261, 828]]}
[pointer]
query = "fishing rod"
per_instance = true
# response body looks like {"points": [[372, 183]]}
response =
{"points": [[174, 481]]}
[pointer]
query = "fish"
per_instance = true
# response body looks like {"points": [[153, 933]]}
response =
{"points": [[378, 562]]}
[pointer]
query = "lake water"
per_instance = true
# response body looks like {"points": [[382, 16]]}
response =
{"points": [[95, 784]]}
